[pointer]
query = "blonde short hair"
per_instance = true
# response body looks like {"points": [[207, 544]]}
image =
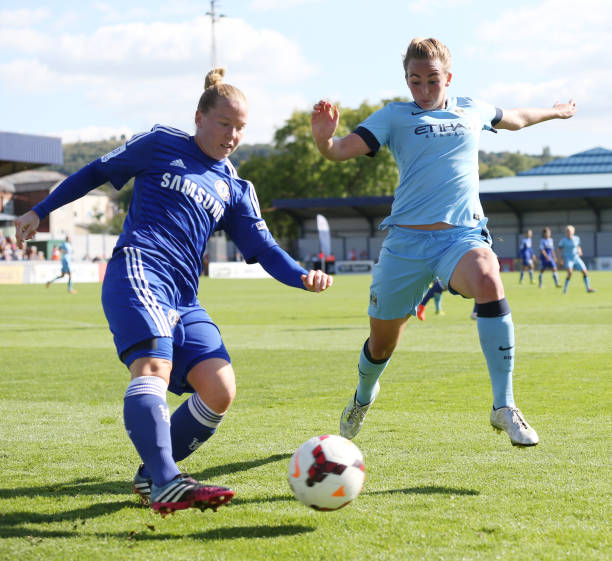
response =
{"points": [[428, 49], [215, 88]]}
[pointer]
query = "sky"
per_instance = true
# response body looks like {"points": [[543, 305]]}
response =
{"points": [[92, 70]]}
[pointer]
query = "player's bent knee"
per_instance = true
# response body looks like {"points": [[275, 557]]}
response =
{"points": [[151, 366]]}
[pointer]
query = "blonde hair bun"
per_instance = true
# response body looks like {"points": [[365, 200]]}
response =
{"points": [[214, 77]]}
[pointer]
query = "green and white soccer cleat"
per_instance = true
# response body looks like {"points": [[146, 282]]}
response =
{"points": [[354, 414], [511, 420]]}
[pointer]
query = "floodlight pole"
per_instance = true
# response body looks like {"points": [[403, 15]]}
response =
{"points": [[214, 18]]}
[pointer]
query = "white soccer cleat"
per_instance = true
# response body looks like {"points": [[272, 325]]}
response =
{"points": [[511, 420], [354, 414]]}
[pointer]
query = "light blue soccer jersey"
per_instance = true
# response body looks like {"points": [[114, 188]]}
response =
{"points": [[66, 249], [437, 156], [569, 246]]}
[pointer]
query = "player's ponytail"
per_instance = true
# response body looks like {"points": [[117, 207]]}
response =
{"points": [[214, 88]]}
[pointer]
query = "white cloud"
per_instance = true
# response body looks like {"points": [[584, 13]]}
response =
{"points": [[268, 5], [93, 132], [146, 73], [552, 33], [23, 17]]}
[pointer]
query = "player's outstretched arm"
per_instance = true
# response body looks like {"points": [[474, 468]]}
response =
{"points": [[280, 265], [317, 281], [26, 226], [324, 122], [516, 119]]}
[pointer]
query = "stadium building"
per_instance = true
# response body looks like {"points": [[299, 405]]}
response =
{"points": [[573, 190]]}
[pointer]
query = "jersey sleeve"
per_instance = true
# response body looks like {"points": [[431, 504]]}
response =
{"points": [[489, 114], [375, 130], [128, 160], [245, 226]]}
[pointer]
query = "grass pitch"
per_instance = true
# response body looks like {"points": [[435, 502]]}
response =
{"points": [[440, 483]]}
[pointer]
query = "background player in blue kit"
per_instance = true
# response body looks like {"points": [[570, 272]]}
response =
{"points": [[547, 257], [436, 226], [571, 256], [435, 291], [66, 251], [185, 189], [527, 255]]}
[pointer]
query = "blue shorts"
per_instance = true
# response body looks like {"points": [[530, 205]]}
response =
{"points": [[547, 263], [410, 259], [66, 266], [575, 263], [142, 302], [527, 259]]}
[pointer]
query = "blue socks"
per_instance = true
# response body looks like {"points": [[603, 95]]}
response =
{"points": [[147, 421], [192, 424], [496, 332], [370, 370], [587, 283]]}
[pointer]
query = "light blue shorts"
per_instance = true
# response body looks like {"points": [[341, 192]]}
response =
{"points": [[410, 259], [576, 264]]}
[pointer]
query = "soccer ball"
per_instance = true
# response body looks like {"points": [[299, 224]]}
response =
{"points": [[326, 472]]}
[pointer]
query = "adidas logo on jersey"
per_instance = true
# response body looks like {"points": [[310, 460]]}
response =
{"points": [[178, 163]]}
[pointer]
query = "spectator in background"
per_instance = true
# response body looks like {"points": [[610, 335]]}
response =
{"points": [[330, 264], [352, 255], [56, 255]]}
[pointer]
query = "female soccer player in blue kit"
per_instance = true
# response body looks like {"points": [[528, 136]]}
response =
{"points": [[547, 257], [436, 226], [185, 189]]}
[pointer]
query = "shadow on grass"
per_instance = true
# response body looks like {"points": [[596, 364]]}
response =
{"points": [[144, 535], [97, 487], [427, 490]]}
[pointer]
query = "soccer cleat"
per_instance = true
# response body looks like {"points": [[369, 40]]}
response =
{"points": [[354, 414], [421, 312], [142, 486], [511, 420], [440, 312], [591, 290], [185, 492]]}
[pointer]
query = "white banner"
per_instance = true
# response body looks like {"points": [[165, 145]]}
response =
{"points": [[324, 235], [354, 267], [236, 270]]}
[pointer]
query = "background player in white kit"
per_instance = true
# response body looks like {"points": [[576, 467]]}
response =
{"points": [[436, 226], [185, 189]]}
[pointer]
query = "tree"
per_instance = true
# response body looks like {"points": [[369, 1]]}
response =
{"points": [[295, 169]]}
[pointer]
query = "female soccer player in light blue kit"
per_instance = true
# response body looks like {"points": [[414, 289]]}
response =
{"points": [[185, 189], [436, 226], [570, 254]]}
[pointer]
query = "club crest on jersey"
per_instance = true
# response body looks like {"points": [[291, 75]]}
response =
{"points": [[173, 317], [223, 189]]}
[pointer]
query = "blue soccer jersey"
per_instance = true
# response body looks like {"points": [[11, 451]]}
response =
{"points": [[526, 250], [437, 156], [181, 196]]}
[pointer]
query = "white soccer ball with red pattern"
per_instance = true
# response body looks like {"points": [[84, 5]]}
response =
{"points": [[327, 472]]}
